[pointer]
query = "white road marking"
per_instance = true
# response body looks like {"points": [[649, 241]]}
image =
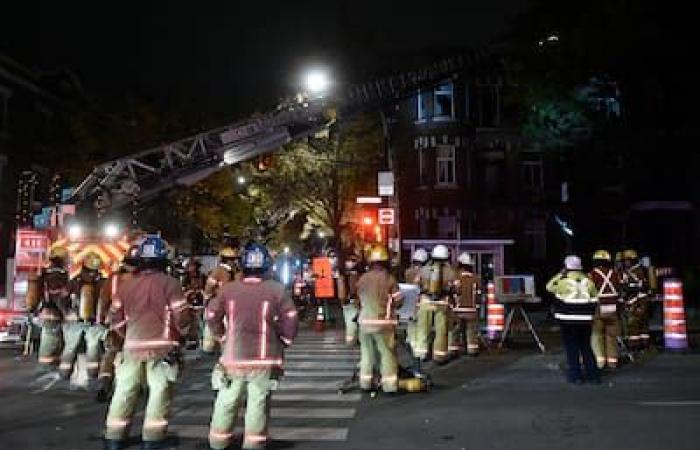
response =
{"points": [[282, 413], [321, 364], [671, 403], [288, 385], [318, 373], [316, 397], [276, 433]]}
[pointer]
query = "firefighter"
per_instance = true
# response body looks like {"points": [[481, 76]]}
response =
{"points": [[574, 308], [261, 321], [379, 296], [80, 318], [606, 324], [466, 320], [434, 308], [112, 341], [223, 273], [413, 275], [150, 313], [347, 294], [45, 294], [193, 282], [636, 291]]}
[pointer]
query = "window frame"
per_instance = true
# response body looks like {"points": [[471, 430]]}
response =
{"points": [[440, 160], [436, 92]]}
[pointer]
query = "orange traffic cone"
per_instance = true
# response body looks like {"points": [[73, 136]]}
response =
{"points": [[495, 313], [675, 332]]}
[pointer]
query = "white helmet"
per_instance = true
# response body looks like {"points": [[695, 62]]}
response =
{"points": [[572, 262], [420, 255], [465, 259], [440, 252]]}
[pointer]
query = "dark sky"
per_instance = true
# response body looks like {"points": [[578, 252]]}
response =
{"points": [[233, 56]]}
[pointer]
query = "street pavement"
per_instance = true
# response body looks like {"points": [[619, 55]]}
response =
{"points": [[514, 399]]}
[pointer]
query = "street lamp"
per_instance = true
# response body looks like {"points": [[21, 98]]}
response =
{"points": [[111, 231], [241, 179], [75, 231], [317, 82]]}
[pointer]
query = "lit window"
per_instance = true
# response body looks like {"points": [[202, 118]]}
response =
{"points": [[443, 101], [445, 163], [422, 100]]}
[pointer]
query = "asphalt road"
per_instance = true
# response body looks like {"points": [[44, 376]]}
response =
{"points": [[501, 400]]}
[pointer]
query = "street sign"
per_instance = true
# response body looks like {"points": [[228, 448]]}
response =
{"points": [[385, 181], [368, 200], [386, 216]]}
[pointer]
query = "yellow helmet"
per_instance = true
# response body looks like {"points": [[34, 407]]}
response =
{"points": [[630, 254], [228, 252], [378, 253], [58, 251], [602, 255], [618, 256], [92, 261]]}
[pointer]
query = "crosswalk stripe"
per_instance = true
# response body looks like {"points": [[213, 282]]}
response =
{"points": [[318, 373], [316, 351], [281, 413], [276, 433], [316, 397], [341, 356], [289, 385], [317, 364]]}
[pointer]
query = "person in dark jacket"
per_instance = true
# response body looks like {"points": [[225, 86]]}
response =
{"points": [[576, 299]]}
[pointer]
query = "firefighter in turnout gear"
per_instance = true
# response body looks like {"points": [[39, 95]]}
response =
{"points": [[413, 275], [223, 273], [347, 294], [574, 309], [112, 341], [379, 297], [150, 313], [606, 323], [261, 321], [635, 285], [466, 320], [46, 294], [434, 307], [193, 282], [81, 323]]}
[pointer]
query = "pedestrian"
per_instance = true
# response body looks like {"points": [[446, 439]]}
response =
{"points": [[379, 297], [149, 311], [574, 308], [261, 321]]}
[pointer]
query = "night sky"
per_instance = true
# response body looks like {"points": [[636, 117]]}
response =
{"points": [[230, 57]]}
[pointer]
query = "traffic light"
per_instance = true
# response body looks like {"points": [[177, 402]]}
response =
{"points": [[368, 226]]}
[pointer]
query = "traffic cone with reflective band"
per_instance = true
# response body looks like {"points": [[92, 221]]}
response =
{"points": [[675, 333], [495, 313], [320, 322]]}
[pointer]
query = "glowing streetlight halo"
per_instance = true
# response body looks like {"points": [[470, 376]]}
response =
{"points": [[317, 81]]}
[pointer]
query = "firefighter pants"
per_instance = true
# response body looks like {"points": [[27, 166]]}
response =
{"points": [[256, 388], [432, 317], [638, 324], [606, 330], [209, 343], [378, 345], [112, 346], [50, 343], [350, 313], [132, 376], [464, 331], [74, 333]]}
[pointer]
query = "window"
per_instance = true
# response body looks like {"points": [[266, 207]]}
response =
{"points": [[422, 100], [446, 227], [493, 179], [536, 239], [532, 175], [445, 163], [443, 101]]}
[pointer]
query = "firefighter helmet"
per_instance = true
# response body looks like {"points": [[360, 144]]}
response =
{"points": [[92, 261], [378, 253], [351, 261], [420, 255], [131, 257], [572, 262], [228, 253], [256, 258], [618, 256], [440, 252], [465, 259], [153, 247], [601, 255], [58, 252], [630, 254]]}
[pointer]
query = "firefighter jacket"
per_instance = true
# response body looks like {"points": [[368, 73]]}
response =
{"points": [[149, 311], [84, 293], [575, 296], [347, 286], [379, 296], [468, 288], [635, 283], [108, 291], [223, 273], [48, 292], [437, 282], [412, 275], [261, 320], [608, 283]]}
